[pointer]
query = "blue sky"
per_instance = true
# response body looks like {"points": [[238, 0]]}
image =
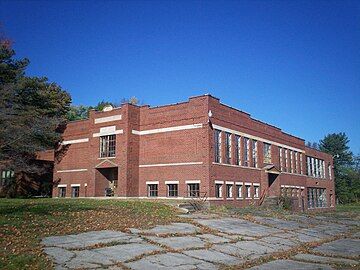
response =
{"points": [[293, 64]]}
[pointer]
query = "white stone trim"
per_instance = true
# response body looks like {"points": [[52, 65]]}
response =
{"points": [[75, 141], [289, 186], [155, 198], [169, 164], [256, 184], [152, 182], [239, 183], [192, 182], [167, 129], [171, 182], [75, 185], [62, 185], [219, 182], [298, 174], [107, 119], [256, 138], [73, 170], [229, 182], [247, 184], [215, 198], [120, 131], [238, 166]]}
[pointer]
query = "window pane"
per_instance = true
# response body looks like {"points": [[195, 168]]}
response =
{"points": [[193, 190], [217, 147], [227, 148], [153, 190], [267, 153], [172, 190], [108, 146]]}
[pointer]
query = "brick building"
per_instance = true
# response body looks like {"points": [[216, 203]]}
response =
{"points": [[195, 148]]}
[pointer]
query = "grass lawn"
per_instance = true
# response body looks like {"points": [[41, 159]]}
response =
{"points": [[351, 207], [24, 222]]}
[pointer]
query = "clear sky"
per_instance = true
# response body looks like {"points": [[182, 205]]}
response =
{"points": [[293, 64]]}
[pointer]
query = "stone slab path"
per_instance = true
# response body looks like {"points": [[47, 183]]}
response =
{"points": [[213, 242]]}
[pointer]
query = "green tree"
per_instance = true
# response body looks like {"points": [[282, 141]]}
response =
{"points": [[32, 117], [336, 144], [78, 112], [82, 112], [102, 104]]}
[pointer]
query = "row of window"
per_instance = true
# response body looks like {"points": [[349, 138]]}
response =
{"points": [[316, 167], [75, 191], [290, 161], [242, 153], [172, 190], [241, 192], [316, 197]]}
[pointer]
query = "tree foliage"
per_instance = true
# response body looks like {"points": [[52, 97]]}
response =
{"points": [[32, 115], [81, 112], [346, 166]]}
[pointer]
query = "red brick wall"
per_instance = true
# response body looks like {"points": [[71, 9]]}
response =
{"points": [[134, 152]]}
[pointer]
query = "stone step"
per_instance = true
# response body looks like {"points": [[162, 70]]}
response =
{"points": [[270, 202], [187, 206]]}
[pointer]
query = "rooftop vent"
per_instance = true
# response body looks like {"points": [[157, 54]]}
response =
{"points": [[108, 108]]}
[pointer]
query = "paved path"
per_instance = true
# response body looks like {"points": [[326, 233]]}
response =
{"points": [[213, 243]]}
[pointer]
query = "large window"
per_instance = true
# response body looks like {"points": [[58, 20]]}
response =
{"points": [[237, 150], [75, 191], [193, 190], [291, 161], [316, 197], [296, 162], [330, 170], [227, 148], [173, 190], [315, 167], [281, 161], [267, 153], [217, 135], [107, 146], [254, 154], [246, 151], [152, 190], [286, 160], [62, 192], [301, 163]]}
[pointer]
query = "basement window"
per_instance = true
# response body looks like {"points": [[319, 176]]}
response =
{"points": [[62, 192], [75, 192], [256, 191], [218, 190], [173, 190], [152, 190], [248, 191], [239, 189], [193, 190], [229, 191]]}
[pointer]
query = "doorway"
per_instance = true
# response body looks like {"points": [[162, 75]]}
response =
{"points": [[108, 178]]}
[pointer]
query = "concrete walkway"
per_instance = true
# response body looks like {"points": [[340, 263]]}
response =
{"points": [[213, 243]]}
